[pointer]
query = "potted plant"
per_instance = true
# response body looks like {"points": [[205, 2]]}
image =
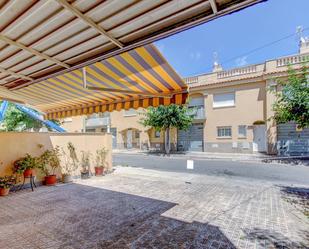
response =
{"points": [[85, 164], [6, 182], [70, 163], [259, 122], [25, 165], [48, 162], [100, 161]]}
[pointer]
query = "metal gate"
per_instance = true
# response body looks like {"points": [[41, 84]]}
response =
{"points": [[192, 139], [292, 141]]}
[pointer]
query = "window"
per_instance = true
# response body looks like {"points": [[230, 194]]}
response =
{"points": [[196, 101], [157, 133], [224, 100], [130, 112], [242, 131], [224, 131], [67, 120]]}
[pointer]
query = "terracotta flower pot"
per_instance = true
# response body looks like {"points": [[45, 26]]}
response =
{"points": [[29, 172], [99, 171], [4, 191], [50, 180]]}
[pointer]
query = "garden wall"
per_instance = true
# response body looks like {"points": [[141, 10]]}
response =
{"points": [[14, 145]]}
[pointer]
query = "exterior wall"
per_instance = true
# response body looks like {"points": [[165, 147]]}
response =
{"points": [[158, 143], [249, 107], [15, 145], [74, 124], [271, 125], [122, 123]]}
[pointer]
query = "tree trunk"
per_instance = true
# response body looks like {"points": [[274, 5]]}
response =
{"points": [[167, 141]]}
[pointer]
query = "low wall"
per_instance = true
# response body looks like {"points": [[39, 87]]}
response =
{"points": [[14, 145], [229, 147]]}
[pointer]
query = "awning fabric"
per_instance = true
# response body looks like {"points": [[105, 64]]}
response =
{"points": [[43, 38], [138, 71]]}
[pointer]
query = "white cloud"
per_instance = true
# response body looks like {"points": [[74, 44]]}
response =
{"points": [[241, 61], [195, 55]]}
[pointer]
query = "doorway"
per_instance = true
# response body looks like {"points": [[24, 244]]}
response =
{"points": [[129, 139], [259, 138]]}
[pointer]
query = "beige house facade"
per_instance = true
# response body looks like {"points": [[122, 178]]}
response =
{"points": [[232, 110]]}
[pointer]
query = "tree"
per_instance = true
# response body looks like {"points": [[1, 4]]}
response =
{"points": [[167, 117], [292, 102], [17, 120]]}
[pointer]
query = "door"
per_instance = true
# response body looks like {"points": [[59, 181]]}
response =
{"points": [[113, 131], [259, 138], [129, 139], [192, 139]]}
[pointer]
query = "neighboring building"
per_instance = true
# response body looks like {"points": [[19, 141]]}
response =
{"points": [[232, 110], [125, 128]]}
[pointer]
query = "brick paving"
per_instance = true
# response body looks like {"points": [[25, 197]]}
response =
{"points": [[138, 208]]}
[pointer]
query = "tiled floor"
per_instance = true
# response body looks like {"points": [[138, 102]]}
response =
{"points": [[138, 208]]}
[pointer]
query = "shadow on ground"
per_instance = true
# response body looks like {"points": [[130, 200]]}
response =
{"points": [[274, 240], [79, 216], [299, 197]]}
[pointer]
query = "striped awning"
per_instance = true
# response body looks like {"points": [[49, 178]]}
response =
{"points": [[138, 78]]}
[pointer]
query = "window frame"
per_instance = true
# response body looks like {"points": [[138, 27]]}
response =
{"points": [[223, 106], [224, 136]]}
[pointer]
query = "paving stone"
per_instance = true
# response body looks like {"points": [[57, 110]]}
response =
{"points": [[138, 208]]}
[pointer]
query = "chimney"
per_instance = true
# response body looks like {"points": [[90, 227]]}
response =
{"points": [[303, 41], [304, 45], [216, 67]]}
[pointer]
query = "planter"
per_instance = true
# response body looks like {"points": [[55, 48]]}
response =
{"points": [[99, 171], [29, 172], [84, 175], [4, 191], [67, 178], [50, 180]]}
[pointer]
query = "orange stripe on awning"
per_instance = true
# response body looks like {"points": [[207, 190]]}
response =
{"points": [[178, 99]]}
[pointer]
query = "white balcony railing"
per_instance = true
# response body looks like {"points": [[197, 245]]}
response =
{"points": [[191, 80], [236, 72], [198, 112], [97, 122], [291, 60]]}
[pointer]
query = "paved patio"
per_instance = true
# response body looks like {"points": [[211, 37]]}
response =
{"points": [[138, 208]]}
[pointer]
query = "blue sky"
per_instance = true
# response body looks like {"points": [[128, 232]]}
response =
{"points": [[191, 52]]}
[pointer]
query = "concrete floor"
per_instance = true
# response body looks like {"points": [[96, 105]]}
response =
{"points": [[142, 208]]}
